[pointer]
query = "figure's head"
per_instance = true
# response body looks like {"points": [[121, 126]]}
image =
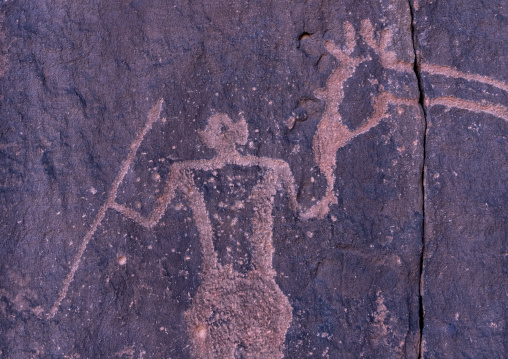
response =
{"points": [[222, 134]]}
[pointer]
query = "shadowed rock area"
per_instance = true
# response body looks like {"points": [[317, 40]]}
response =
{"points": [[253, 179]]}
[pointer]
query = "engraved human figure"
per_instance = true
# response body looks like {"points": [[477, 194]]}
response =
{"points": [[233, 314]]}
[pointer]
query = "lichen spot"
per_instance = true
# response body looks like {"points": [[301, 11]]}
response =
{"points": [[121, 260]]}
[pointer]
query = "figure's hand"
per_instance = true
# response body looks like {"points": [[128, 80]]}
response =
{"points": [[132, 214], [318, 210], [129, 213], [118, 207]]}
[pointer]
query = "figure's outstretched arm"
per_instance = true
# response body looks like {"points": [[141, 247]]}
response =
{"points": [[162, 203]]}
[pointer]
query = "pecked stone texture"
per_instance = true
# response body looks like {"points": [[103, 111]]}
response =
{"points": [[210, 179], [463, 50]]}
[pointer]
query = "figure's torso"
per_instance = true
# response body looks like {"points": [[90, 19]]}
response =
{"points": [[231, 200]]}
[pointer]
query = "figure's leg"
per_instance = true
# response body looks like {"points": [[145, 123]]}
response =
{"points": [[197, 328], [210, 341], [264, 322], [209, 325]]}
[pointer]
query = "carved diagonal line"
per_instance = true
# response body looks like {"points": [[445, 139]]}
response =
{"points": [[153, 116]]}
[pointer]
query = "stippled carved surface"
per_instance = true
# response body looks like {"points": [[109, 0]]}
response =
{"points": [[233, 314]]}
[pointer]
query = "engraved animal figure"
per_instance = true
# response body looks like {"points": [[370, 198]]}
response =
{"points": [[332, 134], [233, 314]]}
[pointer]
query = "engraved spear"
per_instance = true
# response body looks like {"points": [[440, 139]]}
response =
{"points": [[153, 116]]}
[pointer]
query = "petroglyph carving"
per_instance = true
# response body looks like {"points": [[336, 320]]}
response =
{"points": [[472, 106], [232, 313], [453, 73], [153, 116], [388, 58], [332, 134]]}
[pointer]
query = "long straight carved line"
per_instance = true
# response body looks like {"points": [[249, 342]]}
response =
{"points": [[451, 72], [153, 116], [477, 107]]}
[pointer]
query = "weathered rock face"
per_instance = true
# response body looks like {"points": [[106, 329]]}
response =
{"points": [[463, 50], [216, 180]]}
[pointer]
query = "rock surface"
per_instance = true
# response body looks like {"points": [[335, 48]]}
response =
{"points": [[244, 179], [463, 51]]}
